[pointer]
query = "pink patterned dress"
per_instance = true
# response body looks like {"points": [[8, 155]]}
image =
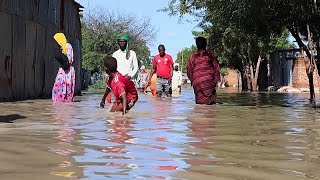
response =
{"points": [[64, 85]]}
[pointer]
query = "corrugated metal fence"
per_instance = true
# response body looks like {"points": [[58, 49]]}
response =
{"points": [[27, 64]]}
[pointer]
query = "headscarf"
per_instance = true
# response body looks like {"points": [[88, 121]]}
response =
{"points": [[66, 47], [143, 67], [126, 37], [62, 41]]}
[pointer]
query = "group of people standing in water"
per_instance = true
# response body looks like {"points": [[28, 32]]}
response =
{"points": [[122, 67]]}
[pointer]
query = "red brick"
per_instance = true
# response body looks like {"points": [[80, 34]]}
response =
{"points": [[299, 75]]}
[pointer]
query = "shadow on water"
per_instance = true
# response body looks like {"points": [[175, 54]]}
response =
{"points": [[11, 118]]}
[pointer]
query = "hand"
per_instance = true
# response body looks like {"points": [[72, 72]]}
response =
{"points": [[169, 81], [102, 104]]}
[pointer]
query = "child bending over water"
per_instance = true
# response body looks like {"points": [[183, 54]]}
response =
{"points": [[123, 89]]}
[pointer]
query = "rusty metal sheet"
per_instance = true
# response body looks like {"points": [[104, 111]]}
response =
{"points": [[77, 27], [40, 60], [5, 56], [18, 56], [76, 44], [30, 59], [7, 6], [43, 12], [36, 10], [72, 15], [51, 66], [29, 11], [54, 12], [18, 7], [1, 5], [32, 10]]}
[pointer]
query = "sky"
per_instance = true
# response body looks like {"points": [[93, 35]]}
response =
{"points": [[174, 34]]}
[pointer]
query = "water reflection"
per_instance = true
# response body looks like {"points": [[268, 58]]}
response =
{"points": [[249, 136], [135, 147], [63, 117]]}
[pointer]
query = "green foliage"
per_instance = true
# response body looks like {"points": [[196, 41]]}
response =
{"points": [[233, 25], [99, 30], [186, 52], [283, 41], [98, 85], [224, 72], [92, 61]]}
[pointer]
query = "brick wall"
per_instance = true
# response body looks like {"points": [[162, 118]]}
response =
{"points": [[232, 78], [299, 76]]}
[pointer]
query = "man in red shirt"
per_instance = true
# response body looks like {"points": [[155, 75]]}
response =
{"points": [[162, 66], [123, 89]]}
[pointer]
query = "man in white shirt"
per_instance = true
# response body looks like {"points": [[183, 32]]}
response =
{"points": [[176, 79], [126, 58]]}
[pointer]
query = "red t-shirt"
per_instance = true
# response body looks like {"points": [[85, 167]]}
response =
{"points": [[163, 65], [122, 85]]}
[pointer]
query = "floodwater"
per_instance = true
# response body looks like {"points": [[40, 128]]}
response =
{"points": [[250, 136]]}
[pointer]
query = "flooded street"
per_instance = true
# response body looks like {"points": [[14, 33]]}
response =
{"points": [[250, 136]]}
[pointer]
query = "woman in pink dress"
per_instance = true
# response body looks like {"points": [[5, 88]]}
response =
{"points": [[64, 85]]}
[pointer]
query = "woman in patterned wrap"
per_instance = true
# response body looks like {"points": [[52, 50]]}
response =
{"points": [[64, 85], [203, 72]]}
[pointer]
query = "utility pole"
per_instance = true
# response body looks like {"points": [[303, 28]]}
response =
{"points": [[182, 61]]}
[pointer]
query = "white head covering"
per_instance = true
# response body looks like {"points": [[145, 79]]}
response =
{"points": [[70, 53], [142, 67], [176, 64]]}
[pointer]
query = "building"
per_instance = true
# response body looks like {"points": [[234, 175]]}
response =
{"points": [[281, 67], [287, 68], [27, 64]]}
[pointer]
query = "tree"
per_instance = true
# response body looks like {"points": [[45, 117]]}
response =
{"points": [[244, 32], [186, 52], [99, 30]]}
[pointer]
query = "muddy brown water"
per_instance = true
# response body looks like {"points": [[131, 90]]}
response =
{"points": [[250, 136]]}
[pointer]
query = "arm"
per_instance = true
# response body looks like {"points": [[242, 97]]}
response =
{"points": [[135, 65], [61, 58], [124, 103], [106, 92]]}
